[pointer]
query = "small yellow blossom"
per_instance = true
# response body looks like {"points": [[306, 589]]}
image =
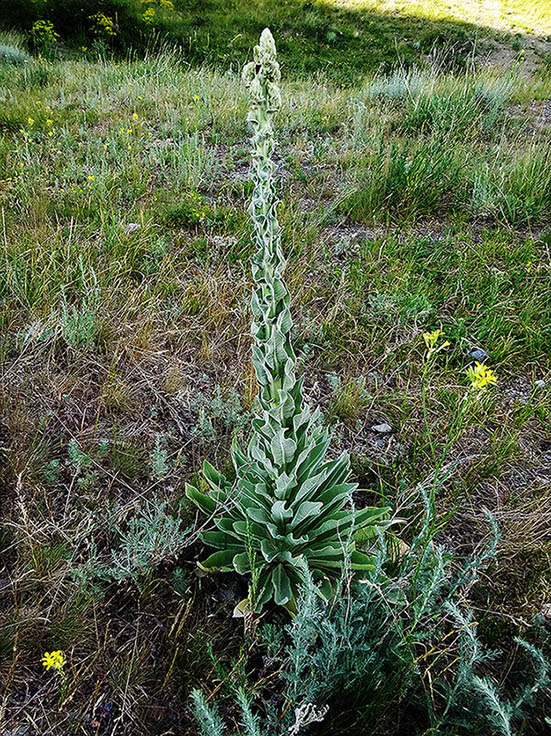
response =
{"points": [[91, 177], [50, 133], [149, 15], [195, 97], [30, 121], [54, 659], [49, 121], [135, 115], [431, 338], [103, 25], [480, 376]]}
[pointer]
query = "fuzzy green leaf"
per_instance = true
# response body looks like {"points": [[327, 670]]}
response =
{"points": [[242, 563], [205, 503], [221, 559], [359, 561], [282, 586], [283, 449]]}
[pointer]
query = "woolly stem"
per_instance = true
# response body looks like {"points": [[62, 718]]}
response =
{"points": [[273, 356]]}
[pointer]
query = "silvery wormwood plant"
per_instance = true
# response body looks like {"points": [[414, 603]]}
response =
{"points": [[289, 507]]}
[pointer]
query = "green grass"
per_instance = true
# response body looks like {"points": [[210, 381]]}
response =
{"points": [[343, 39], [414, 200]]}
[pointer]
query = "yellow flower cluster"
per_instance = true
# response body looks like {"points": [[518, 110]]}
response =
{"points": [[102, 25], [43, 32], [197, 207], [431, 340], [55, 660], [149, 16], [168, 4], [480, 376]]}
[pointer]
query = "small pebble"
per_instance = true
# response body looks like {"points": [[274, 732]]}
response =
{"points": [[382, 428], [131, 227], [539, 384], [479, 355]]}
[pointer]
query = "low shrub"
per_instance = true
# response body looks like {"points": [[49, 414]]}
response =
{"points": [[12, 55], [397, 649]]}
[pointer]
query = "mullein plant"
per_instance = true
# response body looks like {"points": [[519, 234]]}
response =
{"points": [[289, 509]]}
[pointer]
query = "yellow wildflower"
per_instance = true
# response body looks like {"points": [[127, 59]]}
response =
{"points": [[135, 115], [149, 15], [30, 121], [54, 659], [480, 376], [103, 25], [431, 338]]}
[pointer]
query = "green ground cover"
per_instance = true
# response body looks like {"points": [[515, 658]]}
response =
{"points": [[341, 38], [411, 201]]}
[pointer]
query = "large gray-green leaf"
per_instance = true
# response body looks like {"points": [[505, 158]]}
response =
{"points": [[282, 586], [283, 449]]}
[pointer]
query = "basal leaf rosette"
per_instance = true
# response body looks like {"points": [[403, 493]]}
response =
{"points": [[269, 525]]}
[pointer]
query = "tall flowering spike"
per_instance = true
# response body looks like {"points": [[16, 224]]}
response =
{"points": [[273, 355], [288, 508]]}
